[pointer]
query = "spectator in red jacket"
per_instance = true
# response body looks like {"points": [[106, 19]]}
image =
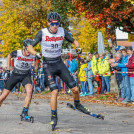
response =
{"points": [[130, 66]]}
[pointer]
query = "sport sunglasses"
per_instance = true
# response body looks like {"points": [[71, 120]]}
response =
{"points": [[57, 24]]}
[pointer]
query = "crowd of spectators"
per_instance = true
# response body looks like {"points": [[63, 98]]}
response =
{"points": [[95, 67]]}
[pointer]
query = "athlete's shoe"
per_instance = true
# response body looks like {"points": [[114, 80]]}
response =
{"points": [[83, 95], [81, 108], [54, 120], [24, 116], [24, 112]]}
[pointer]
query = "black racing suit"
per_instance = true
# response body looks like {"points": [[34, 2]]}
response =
{"points": [[55, 66]]}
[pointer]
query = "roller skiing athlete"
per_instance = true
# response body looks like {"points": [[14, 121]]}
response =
{"points": [[51, 39], [21, 73]]}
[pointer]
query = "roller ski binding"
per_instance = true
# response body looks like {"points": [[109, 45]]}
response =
{"points": [[54, 120], [24, 116], [81, 108]]}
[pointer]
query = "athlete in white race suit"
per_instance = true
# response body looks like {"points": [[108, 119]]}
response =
{"points": [[21, 73], [51, 40]]}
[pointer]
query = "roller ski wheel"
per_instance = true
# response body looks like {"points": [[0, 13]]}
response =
{"points": [[27, 118], [99, 116], [53, 125], [32, 119], [53, 122]]}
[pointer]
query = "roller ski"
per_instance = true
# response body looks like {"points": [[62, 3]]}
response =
{"points": [[24, 116], [54, 120], [85, 110]]}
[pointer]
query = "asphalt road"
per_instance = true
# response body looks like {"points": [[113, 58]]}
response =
{"points": [[117, 119]]}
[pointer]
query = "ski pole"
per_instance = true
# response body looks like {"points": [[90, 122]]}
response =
{"points": [[20, 90]]}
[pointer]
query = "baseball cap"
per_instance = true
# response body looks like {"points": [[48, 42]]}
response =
{"points": [[117, 48]]}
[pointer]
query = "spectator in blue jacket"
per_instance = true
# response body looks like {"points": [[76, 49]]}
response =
{"points": [[125, 90], [89, 75]]}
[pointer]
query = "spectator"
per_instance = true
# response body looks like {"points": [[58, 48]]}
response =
{"points": [[94, 66], [42, 78], [37, 85], [107, 54], [32, 72], [130, 66], [90, 74], [125, 86], [118, 75], [104, 69], [1, 81], [82, 76]]}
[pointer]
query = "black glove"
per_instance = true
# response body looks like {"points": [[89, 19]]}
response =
{"points": [[78, 50], [7, 74], [38, 56]]}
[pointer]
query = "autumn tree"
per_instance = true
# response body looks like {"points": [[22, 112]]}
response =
{"points": [[87, 35], [20, 20], [110, 13]]}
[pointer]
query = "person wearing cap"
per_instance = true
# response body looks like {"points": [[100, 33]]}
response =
{"points": [[130, 67], [94, 66], [117, 49]]}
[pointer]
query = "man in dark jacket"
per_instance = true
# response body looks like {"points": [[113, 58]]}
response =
{"points": [[130, 66], [118, 75]]}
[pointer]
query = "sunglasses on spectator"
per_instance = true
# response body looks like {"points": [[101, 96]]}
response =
{"points": [[52, 24]]}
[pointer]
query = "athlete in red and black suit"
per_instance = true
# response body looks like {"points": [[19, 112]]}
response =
{"points": [[51, 40], [21, 73]]}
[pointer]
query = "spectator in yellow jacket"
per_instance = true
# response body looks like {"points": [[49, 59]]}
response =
{"points": [[82, 77], [94, 65], [104, 69]]}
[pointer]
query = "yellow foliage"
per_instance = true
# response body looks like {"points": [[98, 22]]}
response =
{"points": [[132, 1], [20, 20], [86, 35]]}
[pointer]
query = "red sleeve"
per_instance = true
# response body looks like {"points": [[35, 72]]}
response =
{"points": [[131, 64]]}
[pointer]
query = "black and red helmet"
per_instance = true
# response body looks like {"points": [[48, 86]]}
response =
{"points": [[27, 42], [53, 17]]}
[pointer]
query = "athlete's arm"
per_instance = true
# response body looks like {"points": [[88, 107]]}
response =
{"points": [[69, 38], [76, 43], [36, 40], [11, 55], [8, 61]]}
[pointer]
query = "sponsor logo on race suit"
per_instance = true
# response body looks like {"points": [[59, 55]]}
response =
{"points": [[24, 59], [54, 38]]}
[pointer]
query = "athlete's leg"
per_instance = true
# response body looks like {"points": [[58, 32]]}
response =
{"points": [[11, 82], [75, 92], [53, 101], [69, 80], [3, 96], [27, 101], [49, 76], [27, 82]]}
